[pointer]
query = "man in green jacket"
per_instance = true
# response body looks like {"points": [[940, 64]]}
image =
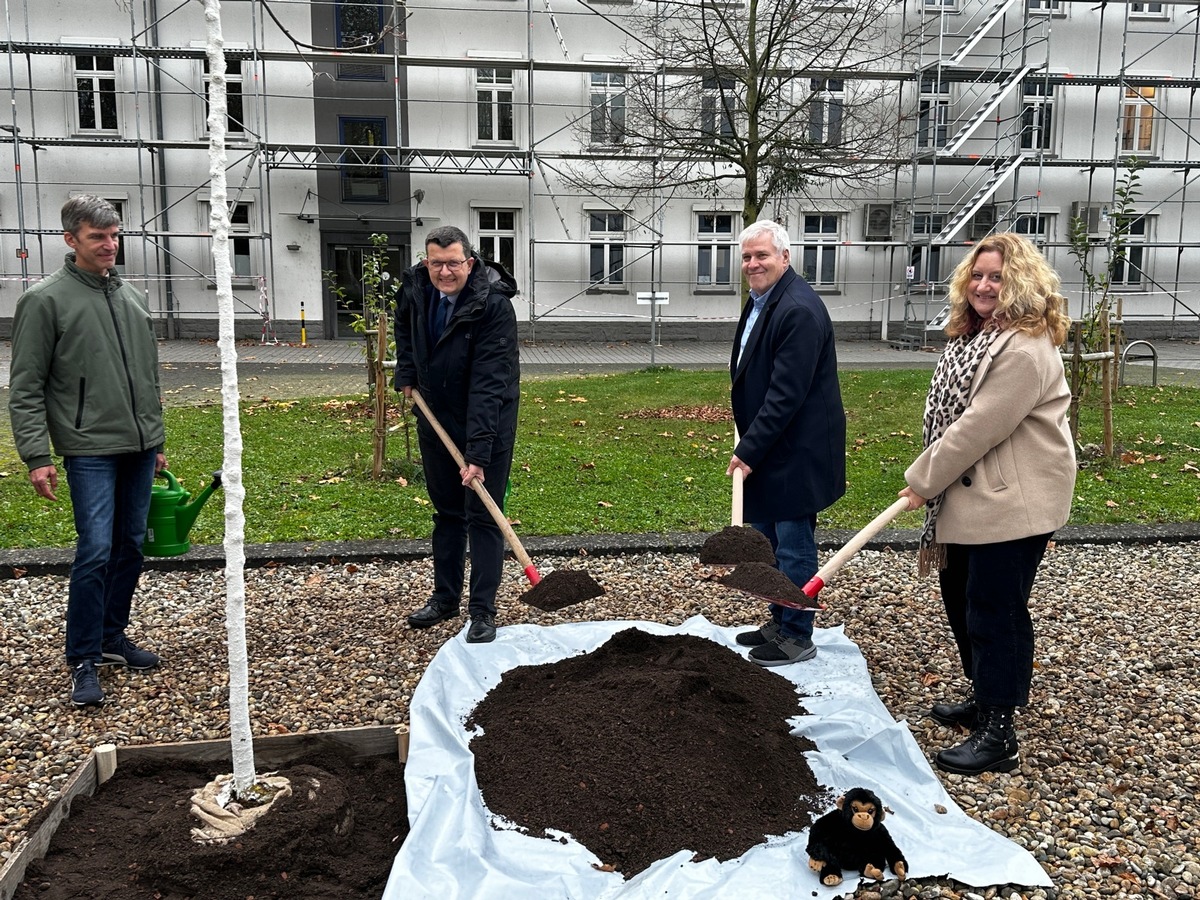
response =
{"points": [[84, 378]]}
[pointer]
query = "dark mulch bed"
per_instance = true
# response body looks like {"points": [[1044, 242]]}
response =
{"points": [[132, 840]]}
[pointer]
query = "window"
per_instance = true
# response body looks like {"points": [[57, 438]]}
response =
{"points": [[716, 107], [359, 27], [1137, 120], [606, 254], [235, 102], [364, 169], [927, 260], [1033, 227], [494, 105], [1147, 10], [714, 249], [1037, 115], [119, 206], [933, 114], [607, 107], [937, 5], [239, 240], [818, 253], [1130, 272], [498, 237], [1049, 7], [96, 92], [825, 111]]}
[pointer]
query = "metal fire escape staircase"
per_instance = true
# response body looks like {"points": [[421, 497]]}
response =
{"points": [[971, 165]]}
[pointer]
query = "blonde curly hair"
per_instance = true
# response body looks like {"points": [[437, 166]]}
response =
{"points": [[1029, 299]]}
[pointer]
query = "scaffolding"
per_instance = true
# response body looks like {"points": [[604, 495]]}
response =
{"points": [[968, 87]]}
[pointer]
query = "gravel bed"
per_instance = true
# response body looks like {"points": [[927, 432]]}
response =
{"points": [[1107, 797]]}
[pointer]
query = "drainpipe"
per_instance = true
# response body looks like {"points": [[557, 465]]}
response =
{"points": [[163, 198]]}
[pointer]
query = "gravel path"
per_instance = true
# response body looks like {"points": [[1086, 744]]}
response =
{"points": [[1106, 798]]}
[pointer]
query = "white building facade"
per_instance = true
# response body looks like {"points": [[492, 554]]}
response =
{"points": [[354, 118]]}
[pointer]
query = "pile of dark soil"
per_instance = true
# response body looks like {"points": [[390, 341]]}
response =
{"points": [[768, 583], [561, 588], [132, 840], [736, 544], [644, 747]]}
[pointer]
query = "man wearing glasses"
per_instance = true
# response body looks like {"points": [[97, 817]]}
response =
{"points": [[456, 341]]}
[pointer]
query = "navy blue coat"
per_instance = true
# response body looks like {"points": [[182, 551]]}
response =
{"points": [[788, 406], [471, 377]]}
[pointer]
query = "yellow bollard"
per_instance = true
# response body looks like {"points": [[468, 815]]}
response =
{"points": [[303, 332]]}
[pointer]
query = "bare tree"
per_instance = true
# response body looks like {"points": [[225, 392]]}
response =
{"points": [[772, 96]]}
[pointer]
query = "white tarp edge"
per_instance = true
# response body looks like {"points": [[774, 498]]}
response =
{"points": [[453, 850]]}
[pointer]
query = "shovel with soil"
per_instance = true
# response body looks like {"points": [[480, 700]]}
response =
{"points": [[768, 583], [737, 543], [558, 589]]}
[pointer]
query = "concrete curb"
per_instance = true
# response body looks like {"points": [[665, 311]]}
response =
{"points": [[57, 561]]}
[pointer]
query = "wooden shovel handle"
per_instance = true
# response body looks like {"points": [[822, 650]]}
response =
{"points": [[531, 571], [738, 493], [852, 546]]}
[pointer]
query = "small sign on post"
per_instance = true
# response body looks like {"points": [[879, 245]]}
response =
{"points": [[650, 298]]}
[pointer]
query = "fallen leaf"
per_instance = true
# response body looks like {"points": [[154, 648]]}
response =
{"points": [[1111, 504], [603, 503]]}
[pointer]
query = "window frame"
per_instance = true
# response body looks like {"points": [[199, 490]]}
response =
{"points": [[345, 168], [350, 71], [605, 241], [822, 245], [716, 241], [234, 75], [829, 95], [927, 223], [1141, 10], [496, 232], [606, 105], [1038, 100], [97, 92], [1136, 239], [934, 96], [496, 104], [1138, 114], [241, 245], [714, 90]]}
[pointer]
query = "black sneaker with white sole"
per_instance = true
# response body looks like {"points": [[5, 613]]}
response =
{"points": [[85, 684], [124, 652]]}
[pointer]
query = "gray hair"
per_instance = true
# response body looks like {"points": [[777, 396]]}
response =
{"points": [[778, 234], [88, 209], [445, 235]]}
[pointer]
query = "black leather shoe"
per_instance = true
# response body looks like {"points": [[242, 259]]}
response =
{"points": [[430, 614], [482, 630], [964, 715]]}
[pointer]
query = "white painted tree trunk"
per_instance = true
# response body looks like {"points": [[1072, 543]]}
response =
{"points": [[231, 471]]}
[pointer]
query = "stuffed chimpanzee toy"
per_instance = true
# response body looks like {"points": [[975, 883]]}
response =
{"points": [[853, 837]]}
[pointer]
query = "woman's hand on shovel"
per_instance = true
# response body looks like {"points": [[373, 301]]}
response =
{"points": [[915, 500]]}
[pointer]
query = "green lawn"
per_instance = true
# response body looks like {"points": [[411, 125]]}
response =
{"points": [[590, 460]]}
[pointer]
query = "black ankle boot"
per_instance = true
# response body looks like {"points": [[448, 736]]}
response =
{"points": [[964, 715], [992, 747]]}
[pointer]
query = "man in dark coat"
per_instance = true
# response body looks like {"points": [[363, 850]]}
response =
{"points": [[788, 409], [456, 341]]}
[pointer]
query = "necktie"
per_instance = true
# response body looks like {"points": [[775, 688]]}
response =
{"points": [[443, 315]]}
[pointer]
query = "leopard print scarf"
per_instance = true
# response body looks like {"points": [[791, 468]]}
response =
{"points": [[947, 400]]}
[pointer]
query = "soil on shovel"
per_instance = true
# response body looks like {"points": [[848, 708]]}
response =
{"points": [[561, 588], [767, 583], [332, 841], [647, 746], [736, 544]]}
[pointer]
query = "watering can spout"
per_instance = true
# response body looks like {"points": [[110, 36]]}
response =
{"points": [[185, 513], [172, 516]]}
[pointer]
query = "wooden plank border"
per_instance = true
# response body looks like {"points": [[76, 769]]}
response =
{"points": [[270, 752]]}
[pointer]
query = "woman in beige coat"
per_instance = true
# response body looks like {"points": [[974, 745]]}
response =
{"points": [[996, 479]]}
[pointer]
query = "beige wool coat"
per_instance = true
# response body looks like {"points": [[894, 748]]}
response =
{"points": [[1007, 464]]}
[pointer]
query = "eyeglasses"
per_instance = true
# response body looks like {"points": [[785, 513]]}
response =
{"points": [[450, 265]]}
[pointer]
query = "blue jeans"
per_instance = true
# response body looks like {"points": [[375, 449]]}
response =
{"points": [[110, 496], [795, 545]]}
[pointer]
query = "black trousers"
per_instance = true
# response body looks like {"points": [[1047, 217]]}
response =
{"points": [[460, 517], [985, 589]]}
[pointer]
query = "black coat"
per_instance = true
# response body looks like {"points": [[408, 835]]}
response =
{"points": [[788, 406], [471, 377]]}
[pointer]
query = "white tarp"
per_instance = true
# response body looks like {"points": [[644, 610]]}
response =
{"points": [[453, 850]]}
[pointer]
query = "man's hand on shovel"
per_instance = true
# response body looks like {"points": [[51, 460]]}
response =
{"points": [[469, 473]]}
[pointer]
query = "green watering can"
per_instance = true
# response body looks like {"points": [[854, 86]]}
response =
{"points": [[171, 516]]}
